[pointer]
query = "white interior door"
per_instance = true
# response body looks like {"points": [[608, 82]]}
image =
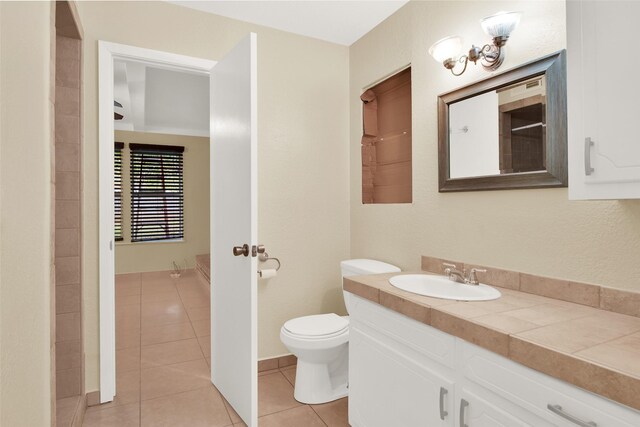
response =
{"points": [[234, 221]]}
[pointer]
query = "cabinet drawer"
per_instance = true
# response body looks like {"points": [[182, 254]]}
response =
{"points": [[424, 339], [476, 407], [533, 391]]}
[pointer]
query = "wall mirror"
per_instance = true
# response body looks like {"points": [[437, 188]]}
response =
{"points": [[505, 132]]}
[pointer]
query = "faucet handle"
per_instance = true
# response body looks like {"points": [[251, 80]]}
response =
{"points": [[447, 268], [473, 278]]}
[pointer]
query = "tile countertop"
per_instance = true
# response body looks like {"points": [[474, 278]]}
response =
{"points": [[591, 348]]}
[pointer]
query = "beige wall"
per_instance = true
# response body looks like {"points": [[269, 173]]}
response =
{"points": [[152, 256], [535, 231], [303, 154], [25, 213]]}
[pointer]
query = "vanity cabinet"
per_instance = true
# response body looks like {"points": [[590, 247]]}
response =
{"points": [[404, 373], [604, 142], [403, 393]]}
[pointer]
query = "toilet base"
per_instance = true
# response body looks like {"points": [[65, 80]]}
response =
{"points": [[320, 382]]}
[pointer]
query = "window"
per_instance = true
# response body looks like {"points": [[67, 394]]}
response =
{"points": [[117, 187], [386, 141], [157, 197]]}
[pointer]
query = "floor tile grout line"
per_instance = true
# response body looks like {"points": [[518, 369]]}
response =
{"points": [[318, 415], [194, 337], [194, 329], [205, 356], [171, 394], [300, 405]]}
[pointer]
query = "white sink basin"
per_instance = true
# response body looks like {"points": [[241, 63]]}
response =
{"points": [[441, 287]]}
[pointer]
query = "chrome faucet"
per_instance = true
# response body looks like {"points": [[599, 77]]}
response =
{"points": [[453, 273], [459, 276]]}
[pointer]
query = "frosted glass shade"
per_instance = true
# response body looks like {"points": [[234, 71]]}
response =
{"points": [[501, 24], [446, 48]]}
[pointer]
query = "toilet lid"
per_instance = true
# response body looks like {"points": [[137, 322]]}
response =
{"points": [[317, 325]]}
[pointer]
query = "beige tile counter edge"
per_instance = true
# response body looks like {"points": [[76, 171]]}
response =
{"points": [[464, 321]]}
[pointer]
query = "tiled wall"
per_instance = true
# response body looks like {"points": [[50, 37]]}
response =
{"points": [[68, 193]]}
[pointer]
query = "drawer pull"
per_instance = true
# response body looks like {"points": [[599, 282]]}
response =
{"points": [[463, 405], [588, 143], [443, 393], [557, 409]]}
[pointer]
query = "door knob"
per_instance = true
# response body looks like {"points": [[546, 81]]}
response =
{"points": [[241, 250], [255, 250]]}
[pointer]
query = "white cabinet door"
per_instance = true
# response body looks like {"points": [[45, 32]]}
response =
{"points": [[604, 142], [387, 388]]}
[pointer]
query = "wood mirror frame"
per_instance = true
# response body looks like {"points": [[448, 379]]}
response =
{"points": [[553, 67]]}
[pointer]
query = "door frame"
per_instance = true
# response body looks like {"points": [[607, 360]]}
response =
{"points": [[107, 53]]}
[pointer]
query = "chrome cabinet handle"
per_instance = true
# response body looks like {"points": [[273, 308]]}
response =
{"points": [[443, 393], [463, 405], [588, 143], [557, 409]]}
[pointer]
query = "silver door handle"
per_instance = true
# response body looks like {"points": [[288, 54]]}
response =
{"points": [[588, 143], [257, 249], [241, 250], [443, 393], [557, 409], [463, 405]]}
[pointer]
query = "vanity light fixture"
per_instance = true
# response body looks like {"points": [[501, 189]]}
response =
{"points": [[491, 56]]}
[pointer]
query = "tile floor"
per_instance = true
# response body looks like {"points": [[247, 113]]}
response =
{"points": [[162, 364], [66, 409]]}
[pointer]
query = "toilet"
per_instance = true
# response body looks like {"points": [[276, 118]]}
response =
{"points": [[321, 343]]}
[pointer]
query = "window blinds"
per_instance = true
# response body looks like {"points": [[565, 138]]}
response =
{"points": [[157, 197], [117, 187]]}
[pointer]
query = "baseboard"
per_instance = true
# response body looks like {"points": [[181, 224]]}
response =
{"points": [[93, 398], [277, 362]]}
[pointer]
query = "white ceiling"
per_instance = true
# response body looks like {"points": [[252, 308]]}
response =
{"points": [[161, 101], [173, 102], [338, 21]]}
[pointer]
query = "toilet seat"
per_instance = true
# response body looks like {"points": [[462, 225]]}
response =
{"points": [[319, 326]]}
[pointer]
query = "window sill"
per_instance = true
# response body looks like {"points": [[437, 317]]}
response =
{"points": [[151, 242]]}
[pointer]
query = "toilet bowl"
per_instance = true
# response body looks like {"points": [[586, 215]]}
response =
{"points": [[321, 344]]}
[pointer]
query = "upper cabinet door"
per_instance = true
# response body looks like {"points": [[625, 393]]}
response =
{"points": [[603, 100]]}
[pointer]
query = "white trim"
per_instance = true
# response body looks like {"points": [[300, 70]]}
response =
{"points": [[107, 53]]}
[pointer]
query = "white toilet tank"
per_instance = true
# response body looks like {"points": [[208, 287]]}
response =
{"points": [[360, 267]]}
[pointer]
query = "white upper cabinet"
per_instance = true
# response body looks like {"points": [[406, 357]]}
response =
{"points": [[603, 100]]}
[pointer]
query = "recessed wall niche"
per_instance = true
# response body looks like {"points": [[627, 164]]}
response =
{"points": [[386, 140]]}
